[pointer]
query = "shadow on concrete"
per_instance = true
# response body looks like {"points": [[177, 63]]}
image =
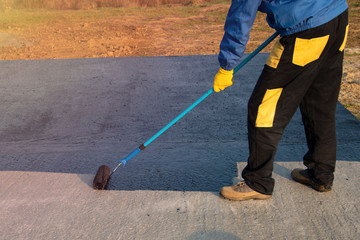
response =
{"points": [[213, 235], [71, 116]]}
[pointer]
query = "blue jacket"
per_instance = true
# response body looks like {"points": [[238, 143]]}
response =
{"points": [[285, 16]]}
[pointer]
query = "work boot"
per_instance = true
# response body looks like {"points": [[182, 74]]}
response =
{"points": [[305, 176], [241, 191]]}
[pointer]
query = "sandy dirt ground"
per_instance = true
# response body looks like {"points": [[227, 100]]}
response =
{"points": [[141, 35]]}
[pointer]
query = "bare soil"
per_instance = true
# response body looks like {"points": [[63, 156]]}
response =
{"points": [[78, 34]]}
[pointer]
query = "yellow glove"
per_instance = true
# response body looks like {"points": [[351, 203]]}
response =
{"points": [[223, 79]]}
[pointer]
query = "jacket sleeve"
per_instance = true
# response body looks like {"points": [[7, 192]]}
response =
{"points": [[239, 21]]}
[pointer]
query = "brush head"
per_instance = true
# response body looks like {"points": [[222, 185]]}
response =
{"points": [[102, 178]]}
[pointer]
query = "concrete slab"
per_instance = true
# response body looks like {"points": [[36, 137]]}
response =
{"points": [[62, 119]]}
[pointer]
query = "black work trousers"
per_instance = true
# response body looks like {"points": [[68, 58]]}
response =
{"points": [[303, 70]]}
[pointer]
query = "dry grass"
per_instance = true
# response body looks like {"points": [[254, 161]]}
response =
{"points": [[91, 4]]}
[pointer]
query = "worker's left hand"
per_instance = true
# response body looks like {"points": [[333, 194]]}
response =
{"points": [[223, 79]]}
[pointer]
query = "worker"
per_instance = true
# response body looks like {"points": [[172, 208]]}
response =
{"points": [[304, 70]]}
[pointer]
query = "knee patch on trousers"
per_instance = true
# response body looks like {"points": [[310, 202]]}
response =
{"points": [[266, 112]]}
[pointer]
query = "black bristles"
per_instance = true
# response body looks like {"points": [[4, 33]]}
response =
{"points": [[102, 178]]}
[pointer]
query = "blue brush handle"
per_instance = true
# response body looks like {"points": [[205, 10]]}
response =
{"points": [[256, 51], [134, 153], [130, 156], [178, 117], [237, 68]]}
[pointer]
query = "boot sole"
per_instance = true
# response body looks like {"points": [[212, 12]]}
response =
{"points": [[255, 197]]}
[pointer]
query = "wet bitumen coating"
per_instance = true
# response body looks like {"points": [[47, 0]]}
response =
{"points": [[62, 119]]}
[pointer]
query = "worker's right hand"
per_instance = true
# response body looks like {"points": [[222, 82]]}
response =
{"points": [[223, 79]]}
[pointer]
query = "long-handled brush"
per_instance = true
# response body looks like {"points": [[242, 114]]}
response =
{"points": [[103, 174]]}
